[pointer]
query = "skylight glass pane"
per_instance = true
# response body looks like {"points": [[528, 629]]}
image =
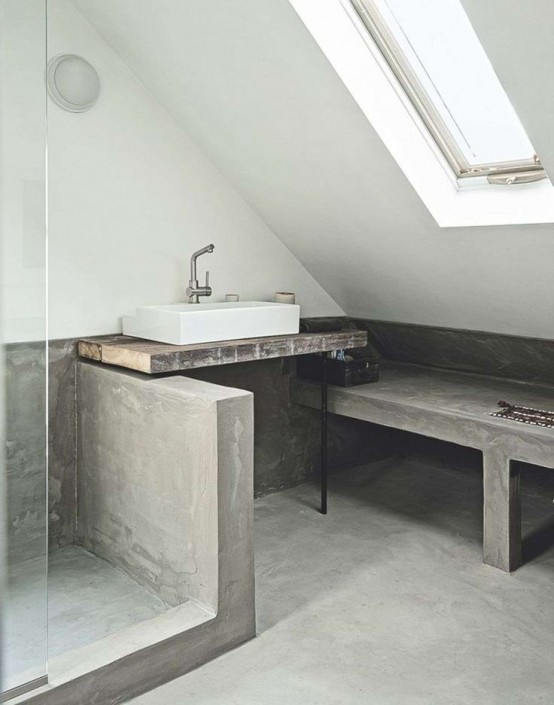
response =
{"points": [[446, 56]]}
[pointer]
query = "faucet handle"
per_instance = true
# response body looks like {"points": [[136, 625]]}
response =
{"points": [[207, 280]]}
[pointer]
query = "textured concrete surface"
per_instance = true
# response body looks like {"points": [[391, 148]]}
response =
{"points": [[23, 469], [286, 439], [154, 358], [481, 352], [385, 601], [62, 443], [26, 418], [162, 648], [24, 623], [287, 447], [147, 481], [25, 449], [286, 436], [448, 405], [87, 600], [455, 407]]}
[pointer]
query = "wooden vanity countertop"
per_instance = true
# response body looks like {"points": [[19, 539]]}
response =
{"points": [[156, 358]]}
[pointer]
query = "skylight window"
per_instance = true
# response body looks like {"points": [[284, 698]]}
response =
{"points": [[440, 63]]}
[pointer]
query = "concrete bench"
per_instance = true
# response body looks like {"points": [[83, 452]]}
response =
{"points": [[455, 407]]}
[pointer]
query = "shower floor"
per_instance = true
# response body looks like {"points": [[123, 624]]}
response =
{"points": [[88, 599]]}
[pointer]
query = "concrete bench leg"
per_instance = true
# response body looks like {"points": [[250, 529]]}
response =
{"points": [[502, 512]]}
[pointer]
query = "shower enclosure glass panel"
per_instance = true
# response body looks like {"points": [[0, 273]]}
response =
{"points": [[23, 484]]}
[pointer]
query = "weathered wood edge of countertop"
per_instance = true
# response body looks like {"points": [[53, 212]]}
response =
{"points": [[156, 358]]}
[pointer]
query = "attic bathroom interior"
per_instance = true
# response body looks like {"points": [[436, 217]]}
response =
{"points": [[276, 352]]}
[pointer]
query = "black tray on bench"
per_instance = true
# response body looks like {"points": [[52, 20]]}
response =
{"points": [[361, 369]]}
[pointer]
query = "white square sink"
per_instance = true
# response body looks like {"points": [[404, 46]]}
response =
{"points": [[187, 324]]}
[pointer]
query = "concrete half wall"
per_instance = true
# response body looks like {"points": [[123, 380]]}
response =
{"points": [[168, 472], [147, 479]]}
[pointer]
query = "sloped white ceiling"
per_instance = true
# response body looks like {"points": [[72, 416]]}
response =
{"points": [[248, 82]]}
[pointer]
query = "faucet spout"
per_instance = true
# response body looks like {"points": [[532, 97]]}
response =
{"points": [[194, 291], [195, 255]]}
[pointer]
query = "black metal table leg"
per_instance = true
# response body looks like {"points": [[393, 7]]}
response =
{"points": [[325, 357]]}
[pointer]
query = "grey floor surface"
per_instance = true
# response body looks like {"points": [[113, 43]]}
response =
{"points": [[88, 599], [25, 615], [385, 601]]}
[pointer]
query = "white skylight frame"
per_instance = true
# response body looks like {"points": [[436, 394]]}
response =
{"points": [[344, 39], [452, 85]]}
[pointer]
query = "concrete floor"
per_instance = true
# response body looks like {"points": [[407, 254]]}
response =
{"points": [[88, 599], [386, 601], [25, 613]]}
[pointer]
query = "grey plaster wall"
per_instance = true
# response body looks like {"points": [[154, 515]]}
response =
{"points": [[287, 447], [481, 352], [25, 449], [287, 436], [147, 480], [62, 443], [26, 446]]}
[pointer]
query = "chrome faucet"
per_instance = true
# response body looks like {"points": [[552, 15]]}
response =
{"points": [[193, 290]]}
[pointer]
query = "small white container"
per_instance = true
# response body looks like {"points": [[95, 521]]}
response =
{"points": [[231, 298], [284, 297]]}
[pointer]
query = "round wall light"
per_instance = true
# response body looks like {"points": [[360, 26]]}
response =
{"points": [[73, 83]]}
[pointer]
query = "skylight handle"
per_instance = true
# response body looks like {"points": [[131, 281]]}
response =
{"points": [[524, 177]]}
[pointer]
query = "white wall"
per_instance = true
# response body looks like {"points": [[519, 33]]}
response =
{"points": [[130, 198], [22, 170], [249, 83]]}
